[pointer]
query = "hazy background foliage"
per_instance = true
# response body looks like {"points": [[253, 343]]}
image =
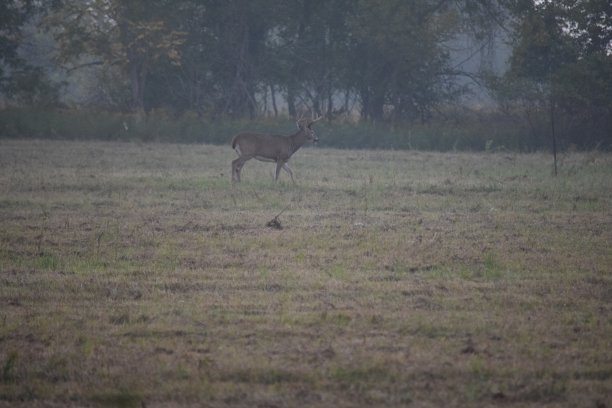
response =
{"points": [[431, 74]]}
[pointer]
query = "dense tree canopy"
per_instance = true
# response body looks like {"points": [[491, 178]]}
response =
{"points": [[131, 35], [239, 57], [381, 60], [562, 64], [18, 79]]}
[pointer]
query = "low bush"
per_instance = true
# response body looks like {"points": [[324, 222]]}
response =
{"points": [[478, 132]]}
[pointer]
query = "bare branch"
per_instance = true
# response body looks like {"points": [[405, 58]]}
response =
{"points": [[89, 64]]}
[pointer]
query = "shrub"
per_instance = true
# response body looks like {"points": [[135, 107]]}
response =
{"points": [[455, 131]]}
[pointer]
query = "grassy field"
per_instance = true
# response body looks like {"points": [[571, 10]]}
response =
{"points": [[137, 275]]}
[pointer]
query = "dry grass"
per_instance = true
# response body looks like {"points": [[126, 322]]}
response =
{"points": [[136, 274]]}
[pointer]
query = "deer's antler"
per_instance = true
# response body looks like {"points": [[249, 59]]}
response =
{"points": [[298, 120], [313, 120]]}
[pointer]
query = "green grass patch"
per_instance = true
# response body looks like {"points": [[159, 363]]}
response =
{"points": [[136, 274]]}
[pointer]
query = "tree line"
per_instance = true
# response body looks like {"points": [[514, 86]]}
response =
{"points": [[383, 61]]}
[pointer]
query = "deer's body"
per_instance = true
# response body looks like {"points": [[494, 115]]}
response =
{"points": [[270, 148]]}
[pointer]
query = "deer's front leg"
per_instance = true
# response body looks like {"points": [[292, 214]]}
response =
{"points": [[283, 165], [288, 170], [279, 165]]}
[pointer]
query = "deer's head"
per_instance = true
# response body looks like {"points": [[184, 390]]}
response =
{"points": [[305, 125]]}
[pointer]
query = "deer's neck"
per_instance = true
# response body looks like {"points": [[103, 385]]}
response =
{"points": [[297, 140]]}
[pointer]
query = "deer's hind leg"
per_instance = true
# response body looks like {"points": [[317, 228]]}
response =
{"points": [[283, 165], [237, 168]]}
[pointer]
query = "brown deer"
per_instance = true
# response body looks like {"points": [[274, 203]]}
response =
{"points": [[271, 148]]}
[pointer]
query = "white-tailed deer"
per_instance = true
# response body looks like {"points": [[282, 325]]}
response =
{"points": [[271, 148]]}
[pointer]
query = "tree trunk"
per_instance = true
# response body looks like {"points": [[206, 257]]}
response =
{"points": [[373, 108], [291, 101], [137, 83], [273, 97], [554, 136], [347, 99], [330, 101]]}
